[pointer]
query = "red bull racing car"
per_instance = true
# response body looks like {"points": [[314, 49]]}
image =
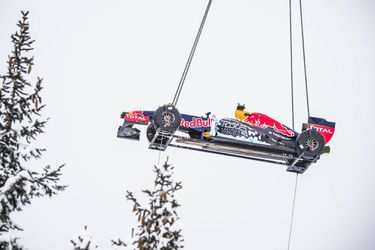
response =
{"points": [[253, 136]]}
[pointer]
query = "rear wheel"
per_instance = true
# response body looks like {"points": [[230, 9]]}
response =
{"points": [[311, 142], [167, 118]]}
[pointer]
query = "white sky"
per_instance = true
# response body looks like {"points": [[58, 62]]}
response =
{"points": [[99, 58]]}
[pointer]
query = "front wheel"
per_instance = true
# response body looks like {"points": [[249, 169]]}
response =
{"points": [[311, 142], [150, 133], [167, 118]]}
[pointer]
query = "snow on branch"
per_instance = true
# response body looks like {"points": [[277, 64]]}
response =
{"points": [[157, 222], [83, 241], [21, 123]]}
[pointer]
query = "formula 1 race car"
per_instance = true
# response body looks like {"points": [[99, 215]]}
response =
{"points": [[253, 136]]}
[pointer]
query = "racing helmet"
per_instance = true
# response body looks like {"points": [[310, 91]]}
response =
{"points": [[240, 107]]}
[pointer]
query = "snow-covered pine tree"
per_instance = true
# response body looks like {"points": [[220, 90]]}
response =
{"points": [[84, 241], [157, 227], [20, 125]]}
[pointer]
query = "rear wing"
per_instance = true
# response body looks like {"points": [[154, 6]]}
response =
{"points": [[324, 127]]}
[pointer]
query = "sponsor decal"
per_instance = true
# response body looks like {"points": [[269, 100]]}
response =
{"points": [[326, 132], [264, 121], [322, 129], [136, 117], [234, 128], [196, 122]]}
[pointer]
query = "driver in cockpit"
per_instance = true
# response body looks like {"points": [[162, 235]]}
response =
{"points": [[241, 113]]}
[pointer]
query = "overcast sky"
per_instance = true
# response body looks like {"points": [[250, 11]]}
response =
{"points": [[99, 58]]}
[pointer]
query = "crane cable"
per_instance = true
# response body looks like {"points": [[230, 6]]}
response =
{"points": [[292, 215], [292, 93], [292, 103], [187, 66], [304, 58], [291, 59], [190, 58]]}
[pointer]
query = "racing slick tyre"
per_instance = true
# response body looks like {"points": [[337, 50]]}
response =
{"points": [[311, 142], [167, 118], [150, 133]]}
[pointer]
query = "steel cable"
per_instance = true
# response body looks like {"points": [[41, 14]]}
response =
{"points": [[187, 66], [304, 58], [292, 94], [292, 103], [291, 59], [190, 58], [292, 215]]}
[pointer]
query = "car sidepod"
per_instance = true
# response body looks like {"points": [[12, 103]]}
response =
{"points": [[238, 131]]}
